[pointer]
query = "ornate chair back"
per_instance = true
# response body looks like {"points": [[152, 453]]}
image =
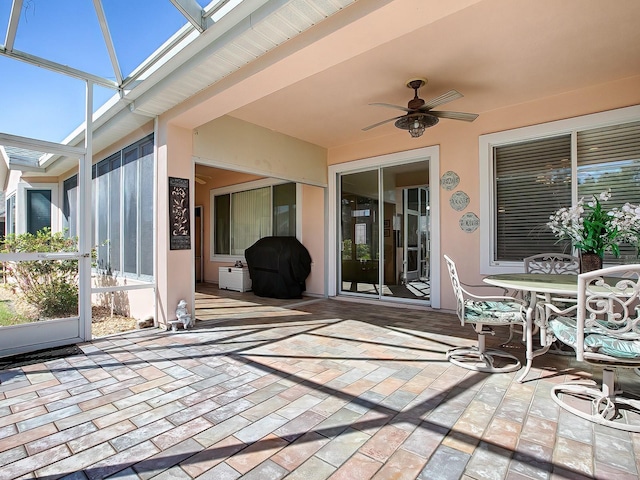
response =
{"points": [[607, 328], [552, 263], [458, 290], [604, 330]]}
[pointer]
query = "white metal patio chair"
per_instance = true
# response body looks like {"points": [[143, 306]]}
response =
{"points": [[604, 330], [484, 313], [554, 263]]}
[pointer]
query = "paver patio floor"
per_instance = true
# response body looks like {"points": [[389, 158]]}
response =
{"points": [[298, 389]]}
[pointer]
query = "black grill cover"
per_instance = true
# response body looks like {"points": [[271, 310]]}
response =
{"points": [[278, 267]]}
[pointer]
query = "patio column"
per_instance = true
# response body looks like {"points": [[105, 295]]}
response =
{"points": [[174, 268]]}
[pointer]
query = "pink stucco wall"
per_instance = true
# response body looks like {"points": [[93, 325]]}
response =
{"points": [[458, 143], [174, 268]]}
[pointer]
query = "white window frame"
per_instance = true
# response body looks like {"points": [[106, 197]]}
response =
{"points": [[21, 205], [430, 154], [487, 144], [242, 187], [9, 215]]}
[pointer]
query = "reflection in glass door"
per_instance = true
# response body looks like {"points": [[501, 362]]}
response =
{"points": [[384, 234], [412, 238], [359, 242]]}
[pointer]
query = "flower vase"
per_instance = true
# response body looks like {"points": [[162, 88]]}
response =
{"points": [[590, 261]]}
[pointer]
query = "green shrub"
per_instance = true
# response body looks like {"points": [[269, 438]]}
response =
{"points": [[51, 286]]}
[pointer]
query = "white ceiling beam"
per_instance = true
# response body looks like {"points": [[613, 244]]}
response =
{"points": [[212, 8], [58, 67], [12, 28], [102, 19], [42, 146], [193, 13], [24, 165]]}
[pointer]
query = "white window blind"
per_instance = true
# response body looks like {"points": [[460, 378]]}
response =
{"points": [[532, 180], [242, 217], [609, 157], [251, 214]]}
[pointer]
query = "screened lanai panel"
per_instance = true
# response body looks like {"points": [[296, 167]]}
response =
{"points": [[533, 179], [130, 220], [101, 184], [146, 210], [115, 182]]}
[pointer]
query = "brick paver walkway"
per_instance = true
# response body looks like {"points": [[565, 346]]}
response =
{"points": [[307, 390]]}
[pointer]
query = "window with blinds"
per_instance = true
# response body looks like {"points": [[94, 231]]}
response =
{"points": [[532, 179], [609, 157], [250, 218], [241, 218]]}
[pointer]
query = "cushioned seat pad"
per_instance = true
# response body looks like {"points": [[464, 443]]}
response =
{"points": [[492, 312], [565, 330]]}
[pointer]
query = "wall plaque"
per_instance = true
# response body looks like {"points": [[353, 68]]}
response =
{"points": [[179, 216], [459, 200], [469, 222], [449, 180]]}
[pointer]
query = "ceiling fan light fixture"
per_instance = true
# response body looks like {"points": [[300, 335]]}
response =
{"points": [[416, 123], [419, 115], [417, 128]]}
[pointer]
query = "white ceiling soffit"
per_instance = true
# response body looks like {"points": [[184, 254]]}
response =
{"points": [[263, 30], [250, 30]]}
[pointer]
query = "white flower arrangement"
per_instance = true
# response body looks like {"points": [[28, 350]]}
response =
{"points": [[592, 229]]}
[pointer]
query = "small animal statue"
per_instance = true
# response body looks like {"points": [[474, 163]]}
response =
{"points": [[183, 315]]}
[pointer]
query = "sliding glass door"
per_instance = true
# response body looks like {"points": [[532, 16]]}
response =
{"points": [[384, 232], [360, 229]]}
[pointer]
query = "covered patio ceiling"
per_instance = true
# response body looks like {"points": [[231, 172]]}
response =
{"points": [[497, 53], [325, 61]]}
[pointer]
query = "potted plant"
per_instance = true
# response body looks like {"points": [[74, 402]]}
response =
{"points": [[594, 231]]}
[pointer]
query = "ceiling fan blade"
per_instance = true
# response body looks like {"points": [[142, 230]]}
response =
{"points": [[450, 96], [397, 107], [199, 180], [381, 123], [467, 117]]}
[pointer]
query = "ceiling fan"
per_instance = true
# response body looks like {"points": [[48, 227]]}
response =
{"points": [[419, 114], [201, 179]]}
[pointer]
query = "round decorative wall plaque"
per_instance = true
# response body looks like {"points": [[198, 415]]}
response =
{"points": [[459, 200], [469, 222], [449, 180]]}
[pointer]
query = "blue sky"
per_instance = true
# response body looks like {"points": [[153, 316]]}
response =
{"points": [[42, 104]]}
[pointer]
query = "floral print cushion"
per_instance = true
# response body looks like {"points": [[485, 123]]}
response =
{"points": [[493, 312], [565, 330], [613, 347]]}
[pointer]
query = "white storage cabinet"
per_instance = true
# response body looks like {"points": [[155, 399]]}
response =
{"points": [[234, 278]]}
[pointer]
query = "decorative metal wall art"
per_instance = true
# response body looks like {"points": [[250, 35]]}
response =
{"points": [[469, 222], [179, 215], [459, 201], [449, 180]]}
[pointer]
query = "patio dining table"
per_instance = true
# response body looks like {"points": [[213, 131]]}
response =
{"points": [[549, 285]]}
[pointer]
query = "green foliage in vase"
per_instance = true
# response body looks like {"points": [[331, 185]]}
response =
{"points": [[593, 229]]}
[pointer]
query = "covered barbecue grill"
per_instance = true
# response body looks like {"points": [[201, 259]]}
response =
{"points": [[278, 267]]}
